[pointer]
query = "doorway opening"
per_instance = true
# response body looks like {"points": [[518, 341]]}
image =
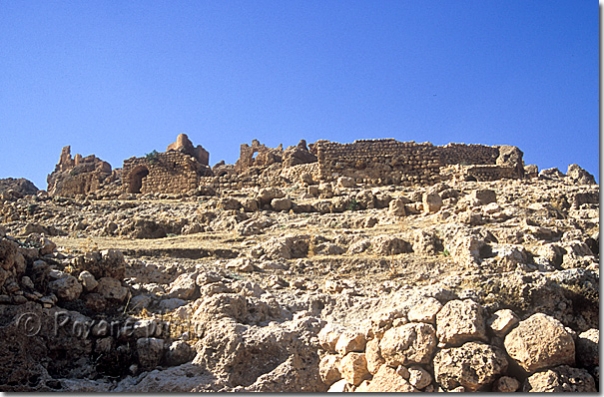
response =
{"points": [[136, 178]]}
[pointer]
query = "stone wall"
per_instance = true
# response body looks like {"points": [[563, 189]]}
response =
{"points": [[459, 153], [379, 162], [169, 172], [388, 161]]}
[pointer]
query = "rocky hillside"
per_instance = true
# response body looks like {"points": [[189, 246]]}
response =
{"points": [[313, 287]]}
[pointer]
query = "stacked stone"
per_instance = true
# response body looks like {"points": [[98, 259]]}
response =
{"points": [[457, 347], [458, 153], [379, 162]]}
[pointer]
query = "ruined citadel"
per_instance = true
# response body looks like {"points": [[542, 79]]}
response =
{"points": [[183, 168], [372, 266]]}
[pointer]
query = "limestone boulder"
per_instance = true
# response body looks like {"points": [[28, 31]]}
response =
{"points": [[350, 341], [389, 245], [241, 265], [460, 321], [560, 379], [88, 280], [419, 377], [112, 290], [539, 342], [506, 384], [373, 355], [427, 242], [287, 247], [425, 312], [473, 365], [412, 343], [328, 337], [329, 369], [229, 204], [387, 380], [281, 204], [484, 196], [587, 348], [353, 368], [299, 154], [184, 287], [431, 202], [502, 321], [396, 207], [266, 195]]}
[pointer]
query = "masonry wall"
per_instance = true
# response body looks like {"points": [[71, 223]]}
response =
{"points": [[379, 162], [170, 172], [458, 153]]}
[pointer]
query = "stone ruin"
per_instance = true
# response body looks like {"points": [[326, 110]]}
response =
{"points": [[184, 167], [176, 170], [388, 161], [79, 175]]}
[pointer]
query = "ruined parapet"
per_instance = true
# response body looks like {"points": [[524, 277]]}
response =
{"points": [[184, 145], [379, 162], [79, 175], [257, 155]]}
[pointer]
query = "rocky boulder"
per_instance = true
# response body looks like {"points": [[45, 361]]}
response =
{"points": [[560, 379], [460, 321], [387, 380], [539, 342], [473, 365], [579, 176], [412, 343]]}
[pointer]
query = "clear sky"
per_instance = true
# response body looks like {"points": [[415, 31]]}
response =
{"points": [[122, 78]]}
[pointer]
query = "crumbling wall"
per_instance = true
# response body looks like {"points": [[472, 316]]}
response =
{"points": [[169, 172], [79, 175], [299, 154], [379, 162], [257, 155]]}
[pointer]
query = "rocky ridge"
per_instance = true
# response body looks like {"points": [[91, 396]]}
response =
{"points": [[318, 286]]}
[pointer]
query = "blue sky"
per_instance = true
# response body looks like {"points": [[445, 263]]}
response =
{"points": [[120, 79]]}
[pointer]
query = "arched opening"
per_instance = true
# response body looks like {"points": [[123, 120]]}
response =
{"points": [[471, 178], [136, 178]]}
